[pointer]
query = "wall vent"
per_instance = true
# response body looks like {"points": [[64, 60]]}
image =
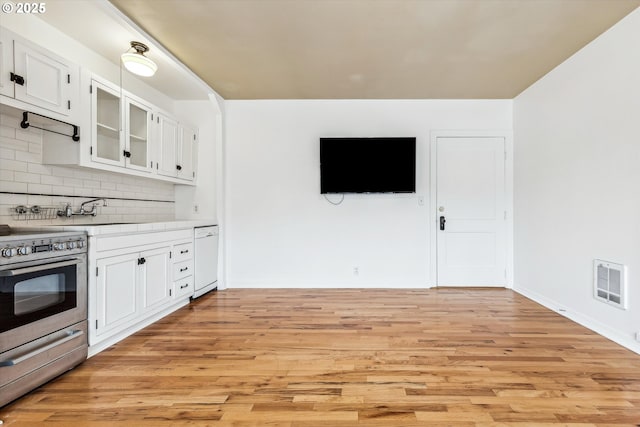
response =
{"points": [[609, 283]]}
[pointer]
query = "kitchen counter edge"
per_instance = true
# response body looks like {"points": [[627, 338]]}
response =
{"points": [[103, 230]]}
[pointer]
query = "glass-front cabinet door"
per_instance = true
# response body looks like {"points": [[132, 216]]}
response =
{"points": [[137, 135], [107, 145]]}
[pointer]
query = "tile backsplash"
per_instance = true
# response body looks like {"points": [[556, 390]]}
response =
{"points": [[24, 180]]}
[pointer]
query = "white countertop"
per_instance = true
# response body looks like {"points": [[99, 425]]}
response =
{"points": [[107, 229]]}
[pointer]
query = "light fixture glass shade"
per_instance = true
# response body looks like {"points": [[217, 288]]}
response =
{"points": [[139, 64]]}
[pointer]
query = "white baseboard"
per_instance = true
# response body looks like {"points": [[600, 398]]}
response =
{"points": [[588, 322], [284, 285]]}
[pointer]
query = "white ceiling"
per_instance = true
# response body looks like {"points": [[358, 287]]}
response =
{"points": [[355, 49]]}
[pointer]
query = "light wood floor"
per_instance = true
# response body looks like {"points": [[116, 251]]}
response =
{"points": [[300, 358]]}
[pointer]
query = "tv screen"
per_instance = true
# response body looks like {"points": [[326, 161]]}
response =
{"points": [[367, 165]]}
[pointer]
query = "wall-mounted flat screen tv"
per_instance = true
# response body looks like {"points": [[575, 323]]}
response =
{"points": [[368, 165]]}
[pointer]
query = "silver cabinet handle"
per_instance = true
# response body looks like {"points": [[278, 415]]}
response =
{"points": [[70, 335], [25, 270]]}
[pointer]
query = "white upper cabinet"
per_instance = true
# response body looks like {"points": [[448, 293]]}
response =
{"points": [[137, 135], [6, 65], [36, 76], [47, 80], [107, 145], [112, 111], [177, 155], [187, 145], [168, 149]]}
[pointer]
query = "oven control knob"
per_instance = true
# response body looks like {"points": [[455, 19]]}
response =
{"points": [[59, 246], [9, 252], [71, 245], [24, 250], [80, 243]]}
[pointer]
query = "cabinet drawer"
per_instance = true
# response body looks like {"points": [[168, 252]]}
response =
{"points": [[183, 252], [182, 269], [183, 287]]}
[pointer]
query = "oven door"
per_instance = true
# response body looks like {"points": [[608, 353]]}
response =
{"points": [[39, 298]]}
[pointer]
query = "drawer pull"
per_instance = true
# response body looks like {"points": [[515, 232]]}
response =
{"points": [[70, 335], [184, 269], [25, 270], [184, 286], [186, 251]]}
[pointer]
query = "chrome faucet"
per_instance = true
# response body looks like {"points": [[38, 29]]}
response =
{"points": [[92, 211], [68, 210]]}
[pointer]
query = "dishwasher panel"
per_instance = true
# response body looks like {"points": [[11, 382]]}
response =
{"points": [[206, 259]]}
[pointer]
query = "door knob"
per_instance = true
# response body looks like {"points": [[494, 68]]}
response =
{"points": [[442, 221]]}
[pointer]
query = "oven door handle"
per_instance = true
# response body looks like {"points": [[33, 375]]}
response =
{"points": [[25, 270], [70, 335]]}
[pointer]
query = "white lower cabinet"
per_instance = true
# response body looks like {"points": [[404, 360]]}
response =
{"points": [[183, 287], [116, 294], [183, 283], [138, 278], [155, 283]]}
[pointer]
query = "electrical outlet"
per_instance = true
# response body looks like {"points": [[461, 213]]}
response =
{"points": [[195, 208], [420, 200], [356, 271]]}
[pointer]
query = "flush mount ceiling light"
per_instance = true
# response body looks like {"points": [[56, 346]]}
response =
{"points": [[137, 63]]}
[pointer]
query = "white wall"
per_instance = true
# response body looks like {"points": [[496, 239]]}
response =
{"points": [[282, 233], [577, 176]]}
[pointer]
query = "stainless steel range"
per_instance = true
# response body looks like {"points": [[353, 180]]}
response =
{"points": [[43, 308]]}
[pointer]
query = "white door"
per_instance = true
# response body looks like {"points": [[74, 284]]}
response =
{"points": [[471, 211], [137, 135], [46, 79], [6, 64], [116, 291], [107, 146], [154, 277], [167, 152], [186, 152]]}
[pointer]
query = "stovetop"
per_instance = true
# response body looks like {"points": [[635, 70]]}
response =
{"points": [[33, 234], [24, 245]]}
